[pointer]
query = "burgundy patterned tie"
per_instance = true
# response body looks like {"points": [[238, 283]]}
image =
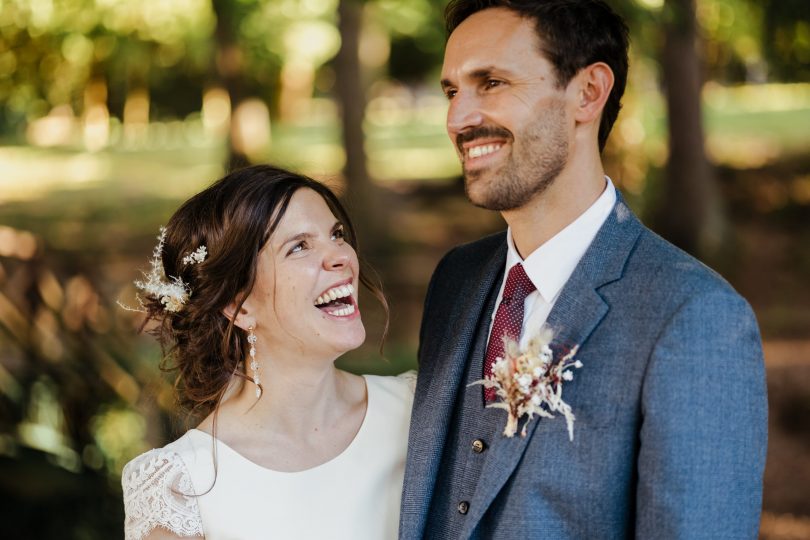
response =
{"points": [[508, 319]]}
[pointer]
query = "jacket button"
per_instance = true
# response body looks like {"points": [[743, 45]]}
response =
{"points": [[478, 446], [463, 506]]}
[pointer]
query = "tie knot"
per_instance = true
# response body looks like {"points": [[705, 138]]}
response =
{"points": [[518, 283]]}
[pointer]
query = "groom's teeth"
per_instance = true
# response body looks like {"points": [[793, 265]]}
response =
{"points": [[483, 150]]}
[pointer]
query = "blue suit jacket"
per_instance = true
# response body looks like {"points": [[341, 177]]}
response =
{"points": [[671, 413]]}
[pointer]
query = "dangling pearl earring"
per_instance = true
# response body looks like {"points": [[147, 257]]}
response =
{"points": [[254, 365]]}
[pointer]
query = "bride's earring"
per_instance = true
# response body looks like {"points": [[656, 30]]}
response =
{"points": [[254, 365]]}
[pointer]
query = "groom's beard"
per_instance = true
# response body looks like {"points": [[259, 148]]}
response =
{"points": [[536, 158]]}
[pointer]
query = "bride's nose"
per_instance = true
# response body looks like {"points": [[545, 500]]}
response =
{"points": [[337, 257]]}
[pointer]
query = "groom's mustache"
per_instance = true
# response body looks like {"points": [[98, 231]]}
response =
{"points": [[480, 133]]}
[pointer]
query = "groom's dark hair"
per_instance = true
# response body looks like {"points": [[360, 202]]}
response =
{"points": [[573, 34]]}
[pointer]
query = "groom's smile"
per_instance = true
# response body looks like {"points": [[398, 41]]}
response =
{"points": [[482, 147]]}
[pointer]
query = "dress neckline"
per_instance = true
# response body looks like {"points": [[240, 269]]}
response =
{"points": [[355, 442]]}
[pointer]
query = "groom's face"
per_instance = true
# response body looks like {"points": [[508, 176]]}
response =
{"points": [[507, 115]]}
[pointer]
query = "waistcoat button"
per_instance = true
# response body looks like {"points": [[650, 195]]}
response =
{"points": [[463, 506]]}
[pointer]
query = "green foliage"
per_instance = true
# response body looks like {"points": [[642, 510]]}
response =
{"points": [[51, 50], [786, 39]]}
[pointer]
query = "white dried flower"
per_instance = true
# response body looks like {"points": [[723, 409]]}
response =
{"points": [[197, 256], [173, 293]]}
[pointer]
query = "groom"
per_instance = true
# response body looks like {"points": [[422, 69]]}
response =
{"points": [[670, 432]]}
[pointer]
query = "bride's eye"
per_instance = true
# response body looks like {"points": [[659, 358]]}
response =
{"points": [[338, 233], [300, 246]]}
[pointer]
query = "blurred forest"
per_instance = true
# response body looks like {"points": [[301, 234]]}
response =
{"points": [[112, 112]]}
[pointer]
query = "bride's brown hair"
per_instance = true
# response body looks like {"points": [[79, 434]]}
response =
{"points": [[233, 219]]}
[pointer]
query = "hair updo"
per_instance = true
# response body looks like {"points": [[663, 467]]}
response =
{"points": [[233, 218]]}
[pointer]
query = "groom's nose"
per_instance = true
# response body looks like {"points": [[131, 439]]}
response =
{"points": [[463, 113]]}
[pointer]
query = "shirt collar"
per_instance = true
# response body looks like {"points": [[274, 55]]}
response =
{"points": [[550, 265]]}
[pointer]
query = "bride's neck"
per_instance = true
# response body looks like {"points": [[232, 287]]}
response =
{"points": [[304, 417], [294, 401]]}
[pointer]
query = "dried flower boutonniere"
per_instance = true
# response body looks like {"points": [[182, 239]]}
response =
{"points": [[530, 382]]}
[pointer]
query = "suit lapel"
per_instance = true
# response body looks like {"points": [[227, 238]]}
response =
{"points": [[436, 394], [577, 312]]}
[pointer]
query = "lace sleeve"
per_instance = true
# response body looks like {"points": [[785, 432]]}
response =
{"points": [[158, 493]]}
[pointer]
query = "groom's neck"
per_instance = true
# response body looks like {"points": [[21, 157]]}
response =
{"points": [[552, 210]]}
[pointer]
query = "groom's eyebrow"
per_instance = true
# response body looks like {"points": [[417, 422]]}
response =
{"points": [[479, 74]]}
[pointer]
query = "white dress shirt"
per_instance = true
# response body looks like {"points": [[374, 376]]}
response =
{"points": [[550, 265]]}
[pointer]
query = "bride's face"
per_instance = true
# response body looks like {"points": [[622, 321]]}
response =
{"points": [[305, 296]]}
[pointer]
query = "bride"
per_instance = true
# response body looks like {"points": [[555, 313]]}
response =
{"points": [[254, 287]]}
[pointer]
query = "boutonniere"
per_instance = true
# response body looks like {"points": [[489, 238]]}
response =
{"points": [[530, 382]]}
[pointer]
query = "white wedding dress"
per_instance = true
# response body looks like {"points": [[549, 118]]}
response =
{"points": [[355, 495]]}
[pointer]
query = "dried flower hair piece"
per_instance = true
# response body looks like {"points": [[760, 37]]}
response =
{"points": [[197, 256], [172, 292], [529, 382]]}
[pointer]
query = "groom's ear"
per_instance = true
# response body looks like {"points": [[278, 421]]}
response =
{"points": [[593, 86]]}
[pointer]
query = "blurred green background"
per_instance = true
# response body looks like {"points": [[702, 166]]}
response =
{"points": [[112, 112]]}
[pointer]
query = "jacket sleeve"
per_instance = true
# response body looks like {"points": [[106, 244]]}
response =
{"points": [[704, 424], [429, 317]]}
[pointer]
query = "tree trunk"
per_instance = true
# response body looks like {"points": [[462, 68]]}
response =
{"points": [[690, 215], [362, 197], [227, 67]]}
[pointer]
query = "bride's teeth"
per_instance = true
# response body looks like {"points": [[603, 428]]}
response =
{"points": [[343, 291], [348, 310]]}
